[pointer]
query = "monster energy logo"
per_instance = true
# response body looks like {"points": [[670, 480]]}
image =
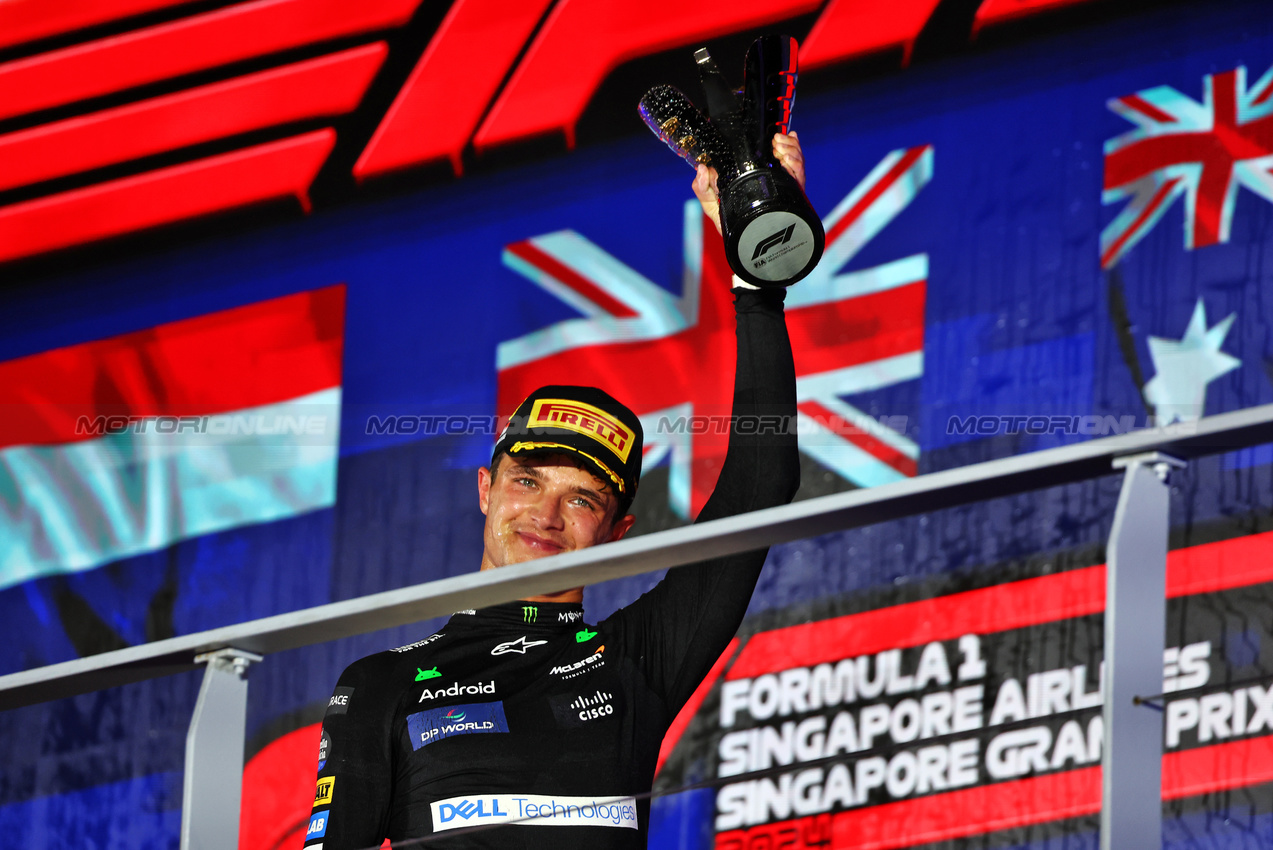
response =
{"points": [[529, 613]]}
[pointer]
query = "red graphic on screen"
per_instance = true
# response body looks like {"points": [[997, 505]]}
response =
{"points": [[514, 89]]}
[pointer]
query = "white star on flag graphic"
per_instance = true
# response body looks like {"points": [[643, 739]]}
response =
{"points": [[1184, 367]]}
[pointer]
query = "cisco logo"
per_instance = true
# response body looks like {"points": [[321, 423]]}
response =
{"points": [[590, 708], [587, 708]]}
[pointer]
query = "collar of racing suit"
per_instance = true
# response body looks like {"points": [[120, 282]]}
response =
{"points": [[522, 616]]}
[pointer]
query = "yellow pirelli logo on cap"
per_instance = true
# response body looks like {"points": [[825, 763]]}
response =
{"points": [[323, 794], [583, 419]]}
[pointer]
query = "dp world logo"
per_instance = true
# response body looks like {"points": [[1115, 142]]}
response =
{"points": [[437, 724], [773, 241]]}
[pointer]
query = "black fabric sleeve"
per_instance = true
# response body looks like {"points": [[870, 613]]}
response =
{"points": [[358, 763], [677, 630]]}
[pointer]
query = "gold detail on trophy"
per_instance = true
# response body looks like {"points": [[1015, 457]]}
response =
{"points": [[684, 143]]}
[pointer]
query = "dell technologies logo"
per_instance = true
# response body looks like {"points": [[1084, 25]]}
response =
{"points": [[534, 810]]}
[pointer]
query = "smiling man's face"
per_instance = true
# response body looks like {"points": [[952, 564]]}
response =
{"points": [[545, 505]]}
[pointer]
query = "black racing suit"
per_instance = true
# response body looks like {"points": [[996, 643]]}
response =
{"points": [[523, 710]]}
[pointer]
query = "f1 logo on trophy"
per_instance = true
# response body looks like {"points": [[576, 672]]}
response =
{"points": [[772, 235]]}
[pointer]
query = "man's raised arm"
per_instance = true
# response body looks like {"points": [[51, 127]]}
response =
{"points": [[678, 629]]}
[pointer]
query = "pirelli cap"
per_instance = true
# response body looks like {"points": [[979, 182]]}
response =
{"points": [[580, 421]]}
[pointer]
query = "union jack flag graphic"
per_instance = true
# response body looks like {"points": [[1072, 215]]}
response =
{"points": [[668, 357], [1203, 151]]}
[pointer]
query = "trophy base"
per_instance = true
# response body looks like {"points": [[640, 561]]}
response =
{"points": [[772, 235]]}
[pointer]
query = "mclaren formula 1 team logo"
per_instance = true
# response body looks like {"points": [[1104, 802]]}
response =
{"points": [[583, 665]]}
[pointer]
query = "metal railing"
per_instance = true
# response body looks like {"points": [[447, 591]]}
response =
{"points": [[1134, 633]]}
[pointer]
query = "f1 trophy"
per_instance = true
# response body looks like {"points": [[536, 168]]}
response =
{"points": [[772, 235]]}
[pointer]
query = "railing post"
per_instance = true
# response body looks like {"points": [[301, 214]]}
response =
{"points": [[1135, 626], [214, 753]]}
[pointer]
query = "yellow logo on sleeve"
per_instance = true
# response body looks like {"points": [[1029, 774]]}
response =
{"points": [[323, 795]]}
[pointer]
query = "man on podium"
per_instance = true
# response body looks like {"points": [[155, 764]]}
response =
{"points": [[525, 716]]}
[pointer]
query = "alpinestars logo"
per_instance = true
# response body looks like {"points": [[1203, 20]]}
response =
{"points": [[519, 646], [779, 238]]}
